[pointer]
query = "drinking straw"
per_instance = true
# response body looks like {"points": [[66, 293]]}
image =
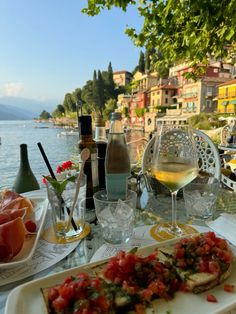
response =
{"points": [[54, 177]]}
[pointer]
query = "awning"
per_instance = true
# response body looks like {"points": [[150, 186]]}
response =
{"points": [[224, 103], [233, 102]]}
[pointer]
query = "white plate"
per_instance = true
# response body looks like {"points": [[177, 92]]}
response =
{"points": [[27, 298], [40, 209]]}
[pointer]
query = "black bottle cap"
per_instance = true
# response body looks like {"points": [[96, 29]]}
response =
{"points": [[85, 125]]}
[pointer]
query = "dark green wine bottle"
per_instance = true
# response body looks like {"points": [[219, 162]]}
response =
{"points": [[25, 180]]}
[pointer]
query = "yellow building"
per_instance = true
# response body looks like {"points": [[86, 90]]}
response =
{"points": [[144, 81], [161, 95], [227, 97], [122, 78]]}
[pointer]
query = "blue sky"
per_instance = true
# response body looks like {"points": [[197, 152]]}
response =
{"points": [[49, 48]]}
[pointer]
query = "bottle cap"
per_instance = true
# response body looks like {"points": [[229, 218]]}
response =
{"points": [[116, 116], [85, 125]]}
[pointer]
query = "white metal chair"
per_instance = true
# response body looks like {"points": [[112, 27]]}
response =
{"points": [[224, 134], [208, 155]]}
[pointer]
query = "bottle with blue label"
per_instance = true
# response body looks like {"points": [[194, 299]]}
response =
{"points": [[117, 161]]}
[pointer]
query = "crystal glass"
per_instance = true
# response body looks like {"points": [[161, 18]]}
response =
{"points": [[200, 196], [174, 163], [116, 218]]}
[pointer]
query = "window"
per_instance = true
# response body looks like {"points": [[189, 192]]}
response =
{"points": [[167, 92], [226, 92], [166, 101], [209, 89]]}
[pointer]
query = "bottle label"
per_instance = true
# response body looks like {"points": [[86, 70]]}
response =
{"points": [[116, 185], [91, 169]]}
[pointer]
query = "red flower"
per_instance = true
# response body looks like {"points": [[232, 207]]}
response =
{"points": [[66, 165], [59, 169], [44, 180]]}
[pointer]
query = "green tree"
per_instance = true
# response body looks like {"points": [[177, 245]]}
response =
{"points": [[44, 115], [141, 63], [110, 87], [180, 30], [77, 97], [69, 103], [58, 112], [110, 106], [147, 60], [101, 95], [87, 96]]}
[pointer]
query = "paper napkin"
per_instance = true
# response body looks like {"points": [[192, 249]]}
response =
{"points": [[225, 225]]}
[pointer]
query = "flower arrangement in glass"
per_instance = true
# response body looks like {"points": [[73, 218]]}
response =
{"points": [[67, 172], [61, 195]]}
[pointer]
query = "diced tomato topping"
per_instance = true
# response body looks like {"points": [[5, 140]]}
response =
{"points": [[142, 278], [52, 294], [103, 303], [59, 303], [228, 287], [179, 253], [211, 298], [147, 294], [95, 283], [68, 279], [214, 267]]}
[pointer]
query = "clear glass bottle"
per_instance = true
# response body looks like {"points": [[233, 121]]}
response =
{"points": [[25, 180], [101, 142], [117, 161], [91, 165]]}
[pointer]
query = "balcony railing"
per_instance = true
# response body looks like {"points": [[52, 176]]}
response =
{"points": [[189, 95]]}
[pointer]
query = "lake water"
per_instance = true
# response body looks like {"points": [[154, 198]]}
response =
{"points": [[57, 148]]}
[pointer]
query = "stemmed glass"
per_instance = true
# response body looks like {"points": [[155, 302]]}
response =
{"points": [[174, 164]]}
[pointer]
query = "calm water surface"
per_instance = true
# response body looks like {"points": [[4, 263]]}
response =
{"points": [[57, 148]]}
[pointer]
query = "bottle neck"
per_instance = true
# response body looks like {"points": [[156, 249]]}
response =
{"points": [[24, 161], [86, 138], [116, 127], [100, 134]]}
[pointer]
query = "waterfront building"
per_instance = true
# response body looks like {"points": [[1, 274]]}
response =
{"points": [[144, 81], [123, 105], [162, 95], [122, 78], [137, 108], [227, 97], [196, 96]]}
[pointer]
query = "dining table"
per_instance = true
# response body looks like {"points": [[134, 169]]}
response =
{"points": [[153, 208]]}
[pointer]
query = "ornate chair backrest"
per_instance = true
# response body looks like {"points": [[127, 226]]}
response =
{"points": [[224, 134], [208, 155]]}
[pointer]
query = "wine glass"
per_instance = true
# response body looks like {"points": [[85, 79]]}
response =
{"points": [[174, 164]]}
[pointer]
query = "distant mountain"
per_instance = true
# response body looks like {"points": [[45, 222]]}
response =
{"points": [[13, 113], [24, 108]]}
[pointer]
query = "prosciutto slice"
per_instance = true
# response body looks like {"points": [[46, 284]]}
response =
{"points": [[13, 200]]}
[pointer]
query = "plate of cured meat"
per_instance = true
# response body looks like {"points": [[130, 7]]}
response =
{"points": [[21, 222]]}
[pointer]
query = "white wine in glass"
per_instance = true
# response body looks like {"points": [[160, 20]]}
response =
{"points": [[174, 163]]}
